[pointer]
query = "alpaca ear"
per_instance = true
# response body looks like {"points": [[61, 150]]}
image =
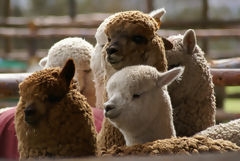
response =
{"points": [[189, 41], [43, 62], [168, 77], [157, 15], [167, 44], [68, 71]]}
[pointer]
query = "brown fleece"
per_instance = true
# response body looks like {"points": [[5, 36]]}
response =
{"points": [[181, 145], [62, 125]]}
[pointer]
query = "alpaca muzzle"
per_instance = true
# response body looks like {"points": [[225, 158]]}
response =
{"points": [[110, 111]]}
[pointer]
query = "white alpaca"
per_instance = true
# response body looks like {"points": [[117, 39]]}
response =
{"points": [[139, 103], [96, 62], [80, 51]]}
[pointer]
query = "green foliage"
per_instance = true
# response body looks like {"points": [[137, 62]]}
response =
{"points": [[232, 104]]}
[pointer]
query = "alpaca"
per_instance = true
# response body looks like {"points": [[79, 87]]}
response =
{"points": [[138, 96], [96, 64], [179, 145], [192, 97], [80, 51], [226, 131], [132, 40], [52, 118]]}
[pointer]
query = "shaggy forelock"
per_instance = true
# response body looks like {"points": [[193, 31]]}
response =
{"points": [[134, 17], [41, 80]]}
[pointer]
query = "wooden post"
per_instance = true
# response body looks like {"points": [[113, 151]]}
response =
{"points": [[6, 14], [72, 9], [149, 6], [205, 19], [32, 40]]}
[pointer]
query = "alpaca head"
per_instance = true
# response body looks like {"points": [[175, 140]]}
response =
{"points": [[183, 49], [136, 94], [42, 89], [101, 37], [80, 51], [132, 40]]}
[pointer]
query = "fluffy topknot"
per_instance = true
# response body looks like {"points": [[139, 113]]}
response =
{"points": [[133, 17], [42, 81]]}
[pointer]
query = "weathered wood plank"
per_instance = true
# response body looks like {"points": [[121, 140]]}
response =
{"points": [[226, 77], [90, 32], [94, 19], [9, 82]]}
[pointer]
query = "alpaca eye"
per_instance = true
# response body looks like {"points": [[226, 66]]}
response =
{"points": [[53, 99], [136, 96], [139, 39], [87, 71]]}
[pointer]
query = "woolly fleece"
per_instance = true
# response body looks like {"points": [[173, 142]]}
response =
{"points": [[182, 145], [192, 96], [226, 131], [65, 126]]}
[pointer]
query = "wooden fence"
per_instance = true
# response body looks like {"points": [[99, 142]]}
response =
{"points": [[85, 25]]}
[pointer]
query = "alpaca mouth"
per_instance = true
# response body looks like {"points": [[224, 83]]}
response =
{"points": [[112, 114], [30, 120], [114, 60]]}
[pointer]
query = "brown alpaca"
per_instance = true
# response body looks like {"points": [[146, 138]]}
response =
{"points": [[132, 40], [179, 145], [53, 119]]}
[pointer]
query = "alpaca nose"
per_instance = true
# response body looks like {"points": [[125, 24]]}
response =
{"points": [[111, 50], [109, 107], [30, 110]]}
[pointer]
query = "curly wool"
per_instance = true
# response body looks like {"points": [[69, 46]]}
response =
{"points": [[133, 17], [192, 96], [226, 131], [67, 128], [72, 47], [181, 145], [80, 51]]}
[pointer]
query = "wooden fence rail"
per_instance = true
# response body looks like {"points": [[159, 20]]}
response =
{"points": [[92, 20], [90, 32], [9, 82]]}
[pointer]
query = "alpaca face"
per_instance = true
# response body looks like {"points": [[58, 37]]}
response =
{"points": [[175, 56], [128, 44], [183, 49], [34, 110], [130, 101], [37, 97], [133, 40]]}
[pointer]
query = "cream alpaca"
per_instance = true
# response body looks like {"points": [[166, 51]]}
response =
{"points": [[80, 51], [139, 104]]}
